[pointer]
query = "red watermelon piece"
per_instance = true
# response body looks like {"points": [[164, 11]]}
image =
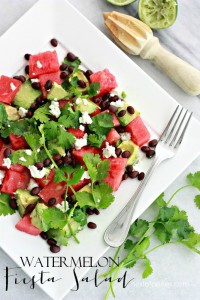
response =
{"points": [[43, 63], [26, 226], [8, 89], [63, 103], [76, 132], [79, 185], [78, 154], [53, 190], [112, 137], [96, 112], [106, 79], [15, 167], [12, 181], [117, 167], [139, 133], [54, 77], [45, 180], [1, 143], [17, 142]]}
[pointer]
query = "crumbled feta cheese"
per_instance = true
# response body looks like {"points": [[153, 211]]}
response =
{"points": [[109, 151], [22, 112], [118, 103], [28, 151], [125, 136], [62, 206], [81, 127], [22, 159], [2, 175], [54, 109], [34, 80], [79, 143], [6, 163], [32, 184], [39, 65], [85, 119], [12, 86], [35, 173], [78, 101], [85, 101], [85, 175]]}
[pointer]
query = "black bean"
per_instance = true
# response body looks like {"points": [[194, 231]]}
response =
{"points": [[44, 235], [67, 160], [145, 149], [39, 165], [35, 85], [96, 211], [27, 56], [129, 168], [35, 191], [47, 162], [63, 74], [92, 225], [122, 113], [71, 56], [153, 143], [56, 157], [29, 114], [141, 176], [88, 73], [105, 96], [118, 152], [133, 174], [20, 78], [114, 98], [150, 153], [70, 69], [121, 129], [39, 100], [126, 154], [69, 199], [59, 162], [26, 69], [81, 84], [13, 203], [29, 208], [130, 110], [105, 105], [7, 152], [52, 202], [55, 248], [48, 85], [89, 211], [34, 106], [113, 108], [125, 176], [51, 242], [54, 42], [63, 67], [97, 100], [6, 140], [73, 163]]}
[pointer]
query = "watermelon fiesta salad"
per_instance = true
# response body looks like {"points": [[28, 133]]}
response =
{"points": [[67, 141]]}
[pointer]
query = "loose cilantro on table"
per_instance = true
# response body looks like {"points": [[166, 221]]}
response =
{"points": [[171, 226]]}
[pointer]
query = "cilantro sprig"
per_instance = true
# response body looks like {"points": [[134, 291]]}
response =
{"points": [[5, 208], [170, 226]]}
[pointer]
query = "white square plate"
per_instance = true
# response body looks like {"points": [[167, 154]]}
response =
{"points": [[34, 30]]}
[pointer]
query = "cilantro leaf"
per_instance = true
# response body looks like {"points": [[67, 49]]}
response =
{"points": [[197, 201], [160, 201], [93, 89], [59, 235], [59, 176], [138, 228], [80, 216], [166, 213], [41, 114], [69, 118], [161, 233], [51, 130], [193, 239], [130, 260], [129, 245], [148, 269], [3, 115], [178, 214], [77, 174], [33, 140], [102, 170], [65, 139], [91, 161], [102, 123], [95, 140], [5, 208], [54, 218], [85, 199], [20, 157], [144, 245], [4, 128], [76, 63], [103, 194], [20, 127], [194, 179]]}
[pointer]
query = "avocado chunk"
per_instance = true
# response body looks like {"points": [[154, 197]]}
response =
{"points": [[127, 118], [24, 198], [57, 92], [132, 148], [80, 75], [26, 95], [36, 217], [85, 105], [12, 112]]}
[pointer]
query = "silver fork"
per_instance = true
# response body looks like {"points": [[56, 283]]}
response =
{"points": [[167, 147]]}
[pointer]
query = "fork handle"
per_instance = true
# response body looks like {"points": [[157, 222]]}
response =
{"points": [[117, 231], [182, 73]]}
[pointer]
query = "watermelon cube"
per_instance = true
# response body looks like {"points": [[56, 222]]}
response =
{"points": [[26, 226], [79, 185], [106, 79], [53, 190], [117, 167], [96, 112], [17, 142], [76, 132], [139, 133], [63, 103], [43, 63], [54, 77], [8, 89], [12, 181], [46, 179], [78, 154], [112, 137], [15, 167]]}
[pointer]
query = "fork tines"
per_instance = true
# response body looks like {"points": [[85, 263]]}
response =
{"points": [[176, 127]]}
